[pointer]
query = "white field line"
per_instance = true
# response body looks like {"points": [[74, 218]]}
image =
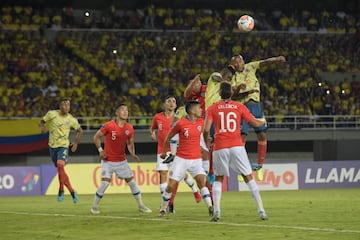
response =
{"points": [[316, 229]]}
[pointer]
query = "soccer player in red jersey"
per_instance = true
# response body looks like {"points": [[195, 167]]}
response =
{"points": [[188, 156], [228, 147], [162, 123], [118, 134]]}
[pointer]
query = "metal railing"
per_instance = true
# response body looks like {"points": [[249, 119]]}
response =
{"points": [[274, 122], [278, 122]]}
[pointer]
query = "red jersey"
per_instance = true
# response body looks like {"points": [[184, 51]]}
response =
{"points": [[200, 97], [115, 139], [163, 126], [226, 116], [189, 138]]}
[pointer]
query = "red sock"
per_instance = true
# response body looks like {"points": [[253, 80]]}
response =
{"points": [[63, 178], [173, 194], [61, 185], [261, 148]]}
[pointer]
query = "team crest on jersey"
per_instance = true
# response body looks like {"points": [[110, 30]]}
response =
{"points": [[199, 128], [247, 70], [127, 132], [67, 123]]}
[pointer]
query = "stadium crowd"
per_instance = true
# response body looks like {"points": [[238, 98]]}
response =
{"points": [[98, 69]]}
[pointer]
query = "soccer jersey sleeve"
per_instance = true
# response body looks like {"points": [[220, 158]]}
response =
{"points": [[48, 116]]}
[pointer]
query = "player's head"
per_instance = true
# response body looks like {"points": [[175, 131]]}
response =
{"points": [[193, 108], [227, 73], [225, 90], [238, 62], [64, 106], [122, 112], [169, 102]]}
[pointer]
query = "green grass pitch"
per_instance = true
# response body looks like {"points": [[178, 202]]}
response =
{"points": [[303, 214]]}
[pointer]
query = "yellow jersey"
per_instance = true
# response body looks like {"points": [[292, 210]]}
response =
{"points": [[180, 112], [212, 90], [248, 77], [59, 128]]}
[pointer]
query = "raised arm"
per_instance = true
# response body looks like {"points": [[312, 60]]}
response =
{"points": [[189, 88], [272, 60]]}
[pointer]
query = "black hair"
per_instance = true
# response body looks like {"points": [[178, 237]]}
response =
{"points": [[120, 105], [190, 104], [166, 97], [225, 90]]}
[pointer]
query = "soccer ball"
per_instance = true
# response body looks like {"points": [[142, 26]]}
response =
{"points": [[246, 23]]}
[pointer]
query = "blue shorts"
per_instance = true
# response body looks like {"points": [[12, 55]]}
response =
{"points": [[60, 153], [256, 110]]}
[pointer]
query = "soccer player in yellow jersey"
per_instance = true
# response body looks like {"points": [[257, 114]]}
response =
{"points": [[213, 85], [247, 91], [60, 124]]}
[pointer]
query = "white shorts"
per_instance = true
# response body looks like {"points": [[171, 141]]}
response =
{"points": [[121, 169], [181, 165], [236, 158], [203, 144], [162, 166]]}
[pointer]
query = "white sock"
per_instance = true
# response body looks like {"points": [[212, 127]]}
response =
{"points": [[163, 187], [216, 191], [165, 199], [206, 165], [190, 183], [135, 191], [254, 189], [206, 196], [174, 144], [100, 192]]}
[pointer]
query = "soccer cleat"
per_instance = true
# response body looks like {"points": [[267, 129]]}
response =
{"points": [[255, 166], [144, 209], [260, 174], [169, 159], [171, 209], [211, 211], [75, 197], [263, 216], [215, 217], [94, 210], [60, 197], [197, 197], [162, 212]]}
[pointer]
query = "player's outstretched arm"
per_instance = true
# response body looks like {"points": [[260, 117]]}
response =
{"points": [[272, 60], [257, 122]]}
